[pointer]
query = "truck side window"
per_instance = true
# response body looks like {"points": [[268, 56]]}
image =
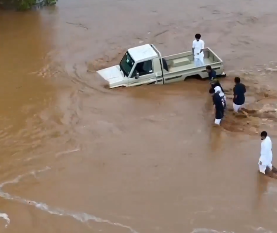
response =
{"points": [[143, 68]]}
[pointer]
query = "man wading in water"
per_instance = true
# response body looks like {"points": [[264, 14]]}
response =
{"points": [[239, 98], [219, 105], [216, 87], [265, 161], [218, 90]]}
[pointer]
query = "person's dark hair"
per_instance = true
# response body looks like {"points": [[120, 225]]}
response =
{"points": [[237, 79], [215, 83], [264, 134], [197, 36], [211, 91], [208, 68]]}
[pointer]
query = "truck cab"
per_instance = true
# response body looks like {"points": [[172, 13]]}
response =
{"points": [[138, 65]]}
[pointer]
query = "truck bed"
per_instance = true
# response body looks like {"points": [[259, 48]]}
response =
{"points": [[184, 61]]}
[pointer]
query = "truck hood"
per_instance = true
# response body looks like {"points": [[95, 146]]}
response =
{"points": [[113, 76]]}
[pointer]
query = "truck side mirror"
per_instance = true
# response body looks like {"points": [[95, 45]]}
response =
{"points": [[137, 75]]}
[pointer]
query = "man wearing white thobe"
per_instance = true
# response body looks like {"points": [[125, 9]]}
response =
{"points": [[265, 161], [198, 51]]}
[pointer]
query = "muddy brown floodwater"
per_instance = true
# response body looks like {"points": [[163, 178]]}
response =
{"points": [[77, 157]]}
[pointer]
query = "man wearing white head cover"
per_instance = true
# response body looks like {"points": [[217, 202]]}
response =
{"points": [[218, 106], [218, 90], [265, 161]]}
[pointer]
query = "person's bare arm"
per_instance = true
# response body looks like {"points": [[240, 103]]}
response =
{"points": [[235, 93], [202, 49]]}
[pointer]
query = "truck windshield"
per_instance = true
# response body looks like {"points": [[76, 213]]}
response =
{"points": [[126, 64]]}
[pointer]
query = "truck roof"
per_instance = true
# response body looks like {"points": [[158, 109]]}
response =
{"points": [[143, 52]]}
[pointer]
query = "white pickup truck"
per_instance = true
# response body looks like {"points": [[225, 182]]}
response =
{"points": [[144, 65]]}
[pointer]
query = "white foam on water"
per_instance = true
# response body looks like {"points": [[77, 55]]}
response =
{"points": [[82, 217], [18, 178], [6, 218], [205, 230], [31, 158], [261, 229], [67, 152]]}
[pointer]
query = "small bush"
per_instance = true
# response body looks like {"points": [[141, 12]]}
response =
{"points": [[25, 4]]}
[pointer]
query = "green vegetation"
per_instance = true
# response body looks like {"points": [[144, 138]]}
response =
{"points": [[51, 2], [23, 5]]}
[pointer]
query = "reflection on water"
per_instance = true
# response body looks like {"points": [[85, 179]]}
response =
{"points": [[25, 44], [216, 139], [262, 188]]}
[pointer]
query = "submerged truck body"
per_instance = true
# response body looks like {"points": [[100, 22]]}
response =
{"points": [[144, 65]]}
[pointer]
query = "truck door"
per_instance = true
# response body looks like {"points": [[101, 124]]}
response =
{"points": [[145, 71]]}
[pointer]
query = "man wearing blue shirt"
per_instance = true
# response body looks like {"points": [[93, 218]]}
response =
{"points": [[239, 98], [211, 72]]}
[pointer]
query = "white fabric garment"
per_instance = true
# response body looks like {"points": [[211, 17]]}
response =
{"points": [[197, 46], [217, 121], [218, 90], [199, 62], [266, 155], [221, 93], [236, 107]]}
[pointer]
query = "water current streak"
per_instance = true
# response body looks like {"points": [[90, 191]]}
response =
{"points": [[82, 217]]}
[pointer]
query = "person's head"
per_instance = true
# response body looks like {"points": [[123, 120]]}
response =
{"points": [[263, 135], [211, 91], [197, 36], [215, 83], [217, 89], [208, 69], [237, 80]]}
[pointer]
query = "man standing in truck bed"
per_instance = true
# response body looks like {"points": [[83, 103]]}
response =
{"points": [[198, 51]]}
